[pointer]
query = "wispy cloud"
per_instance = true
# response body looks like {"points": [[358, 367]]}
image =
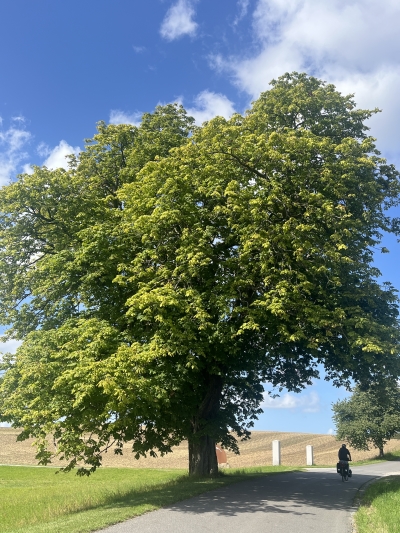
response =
{"points": [[243, 6], [43, 149], [13, 143], [19, 118], [308, 403], [209, 105], [179, 21], [331, 431], [121, 117], [139, 49]]}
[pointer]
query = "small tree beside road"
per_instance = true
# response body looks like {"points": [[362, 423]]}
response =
{"points": [[369, 417]]}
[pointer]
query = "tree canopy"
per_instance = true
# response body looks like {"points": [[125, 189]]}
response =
{"points": [[370, 417], [173, 269]]}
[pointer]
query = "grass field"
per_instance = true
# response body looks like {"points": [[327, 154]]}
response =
{"points": [[380, 508], [255, 452], [37, 500]]}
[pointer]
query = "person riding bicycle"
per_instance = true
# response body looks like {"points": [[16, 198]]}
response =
{"points": [[344, 454]]}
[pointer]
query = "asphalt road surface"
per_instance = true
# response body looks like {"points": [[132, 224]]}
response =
{"points": [[294, 502]]}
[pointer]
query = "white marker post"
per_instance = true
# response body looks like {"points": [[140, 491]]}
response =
{"points": [[309, 455], [276, 452]]}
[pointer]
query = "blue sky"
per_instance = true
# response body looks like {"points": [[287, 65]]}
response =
{"points": [[66, 65]]}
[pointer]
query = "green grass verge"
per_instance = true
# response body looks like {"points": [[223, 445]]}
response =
{"points": [[390, 456], [39, 500], [379, 511]]}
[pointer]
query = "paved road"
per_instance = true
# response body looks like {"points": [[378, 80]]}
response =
{"points": [[295, 502]]}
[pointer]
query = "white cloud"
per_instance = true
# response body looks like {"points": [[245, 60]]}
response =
{"points": [[56, 157], [309, 403], [378, 89], [179, 21], [27, 169], [120, 117], [209, 105], [331, 431], [13, 142], [139, 49], [355, 45], [10, 346]]}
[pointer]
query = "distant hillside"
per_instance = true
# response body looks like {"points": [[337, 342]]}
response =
{"points": [[254, 452]]}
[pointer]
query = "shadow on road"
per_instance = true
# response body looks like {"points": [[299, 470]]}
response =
{"points": [[297, 501], [284, 493]]}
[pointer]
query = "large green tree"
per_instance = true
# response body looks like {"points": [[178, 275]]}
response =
{"points": [[173, 270], [370, 417]]}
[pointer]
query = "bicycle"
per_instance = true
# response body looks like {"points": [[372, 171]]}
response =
{"points": [[344, 470]]}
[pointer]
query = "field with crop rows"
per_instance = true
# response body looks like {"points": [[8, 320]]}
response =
{"points": [[255, 452]]}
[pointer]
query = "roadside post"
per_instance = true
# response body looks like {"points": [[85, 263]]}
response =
{"points": [[276, 453], [309, 455]]}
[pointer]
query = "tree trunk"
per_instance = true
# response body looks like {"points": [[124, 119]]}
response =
{"points": [[381, 454], [202, 454], [202, 457]]}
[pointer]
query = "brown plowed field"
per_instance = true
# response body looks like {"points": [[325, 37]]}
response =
{"points": [[255, 452]]}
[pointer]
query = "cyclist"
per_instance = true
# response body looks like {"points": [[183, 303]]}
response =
{"points": [[344, 457]]}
